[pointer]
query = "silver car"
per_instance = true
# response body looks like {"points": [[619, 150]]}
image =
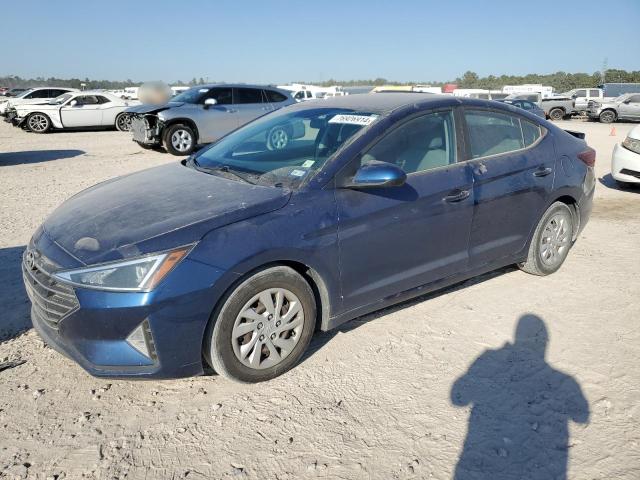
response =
{"points": [[204, 114]]}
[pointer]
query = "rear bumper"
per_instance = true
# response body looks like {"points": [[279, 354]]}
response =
{"points": [[585, 205], [625, 165]]}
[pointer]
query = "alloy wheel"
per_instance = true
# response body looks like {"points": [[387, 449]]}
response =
{"points": [[268, 328], [181, 140], [38, 123], [556, 239], [124, 123], [278, 138]]}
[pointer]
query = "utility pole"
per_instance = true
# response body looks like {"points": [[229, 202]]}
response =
{"points": [[603, 71]]}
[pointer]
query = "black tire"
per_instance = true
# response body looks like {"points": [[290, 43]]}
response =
{"points": [[535, 263], [184, 144], [123, 122], [38, 122], [219, 342], [556, 114], [608, 116]]}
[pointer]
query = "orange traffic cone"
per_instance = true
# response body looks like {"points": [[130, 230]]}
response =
{"points": [[613, 132]]}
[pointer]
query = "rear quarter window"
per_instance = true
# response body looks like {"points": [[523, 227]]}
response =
{"points": [[275, 97]]}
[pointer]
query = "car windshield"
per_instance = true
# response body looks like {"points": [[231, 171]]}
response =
{"points": [[60, 99], [283, 148], [23, 93], [192, 95]]}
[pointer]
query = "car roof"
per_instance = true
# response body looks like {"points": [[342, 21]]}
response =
{"points": [[378, 102], [237, 85]]}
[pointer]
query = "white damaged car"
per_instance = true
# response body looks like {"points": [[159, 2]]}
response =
{"points": [[625, 161], [88, 109]]}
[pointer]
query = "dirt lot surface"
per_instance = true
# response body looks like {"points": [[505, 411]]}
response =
{"points": [[386, 396]]}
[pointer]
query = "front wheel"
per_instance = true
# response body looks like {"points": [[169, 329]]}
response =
{"points": [[179, 140], [277, 139], [551, 241], [263, 327], [123, 122], [39, 123], [608, 116]]}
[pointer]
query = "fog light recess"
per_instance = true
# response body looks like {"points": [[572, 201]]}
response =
{"points": [[142, 340]]}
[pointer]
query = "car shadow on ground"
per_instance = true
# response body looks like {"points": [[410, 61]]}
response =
{"points": [[15, 317], [320, 339], [520, 410], [609, 182], [36, 156]]}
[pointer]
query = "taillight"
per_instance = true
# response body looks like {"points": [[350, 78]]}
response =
{"points": [[588, 157]]}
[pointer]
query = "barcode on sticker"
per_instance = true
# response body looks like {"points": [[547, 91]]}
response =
{"points": [[354, 119]]}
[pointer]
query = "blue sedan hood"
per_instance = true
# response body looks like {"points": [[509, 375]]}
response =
{"points": [[153, 210]]}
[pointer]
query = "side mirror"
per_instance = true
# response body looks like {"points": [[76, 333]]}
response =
{"points": [[209, 102], [627, 101], [378, 174], [73, 103]]}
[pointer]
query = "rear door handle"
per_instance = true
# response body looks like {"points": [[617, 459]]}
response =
{"points": [[542, 172], [458, 196]]}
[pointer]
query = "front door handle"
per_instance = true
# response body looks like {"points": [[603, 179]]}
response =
{"points": [[458, 196], [542, 172]]}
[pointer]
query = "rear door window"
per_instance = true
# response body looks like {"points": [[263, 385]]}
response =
{"points": [[247, 95], [494, 133], [594, 93]]}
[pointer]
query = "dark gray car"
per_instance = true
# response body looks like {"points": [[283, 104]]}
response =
{"points": [[203, 114]]}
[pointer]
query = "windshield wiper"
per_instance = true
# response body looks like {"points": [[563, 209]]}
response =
{"points": [[221, 168]]}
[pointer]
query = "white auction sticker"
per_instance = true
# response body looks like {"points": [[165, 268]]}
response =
{"points": [[297, 173], [308, 164], [354, 119]]}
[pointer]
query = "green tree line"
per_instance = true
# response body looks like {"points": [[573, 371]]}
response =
{"points": [[12, 81], [560, 81]]}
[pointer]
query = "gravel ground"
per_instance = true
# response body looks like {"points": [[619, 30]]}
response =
{"points": [[386, 396]]}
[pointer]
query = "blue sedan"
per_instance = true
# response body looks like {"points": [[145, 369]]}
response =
{"points": [[237, 255]]}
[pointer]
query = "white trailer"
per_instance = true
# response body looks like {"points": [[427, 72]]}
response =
{"points": [[543, 90]]}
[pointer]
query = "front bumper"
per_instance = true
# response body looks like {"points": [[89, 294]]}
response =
{"points": [[625, 165], [146, 129], [94, 332]]}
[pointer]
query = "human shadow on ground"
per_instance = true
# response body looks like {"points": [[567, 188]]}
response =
{"points": [[520, 411], [15, 316], [36, 156]]}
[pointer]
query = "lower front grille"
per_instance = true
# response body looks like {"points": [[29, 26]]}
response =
{"points": [[51, 300], [631, 173]]}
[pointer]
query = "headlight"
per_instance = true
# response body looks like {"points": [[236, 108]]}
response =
{"points": [[140, 274], [632, 144]]}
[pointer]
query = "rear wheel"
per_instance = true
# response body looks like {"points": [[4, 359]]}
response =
{"points": [[263, 327], [608, 116], [38, 123], [551, 241], [179, 140], [556, 114], [123, 122]]}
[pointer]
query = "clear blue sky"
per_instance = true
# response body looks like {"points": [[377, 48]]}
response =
{"points": [[277, 41]]}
